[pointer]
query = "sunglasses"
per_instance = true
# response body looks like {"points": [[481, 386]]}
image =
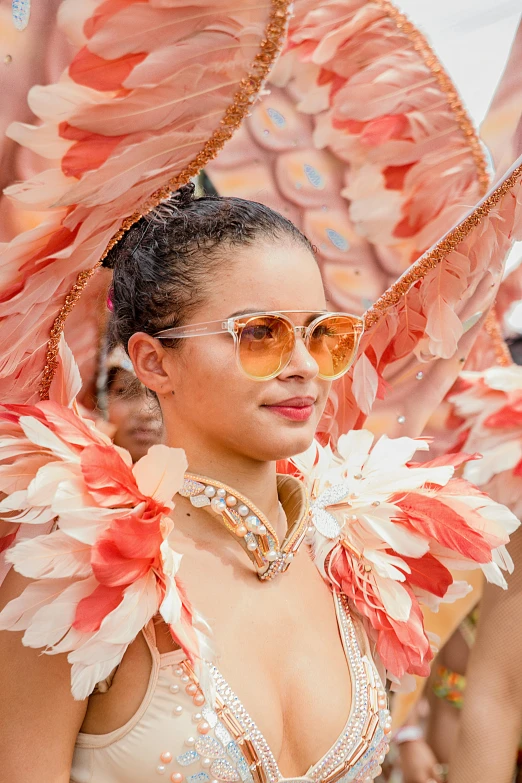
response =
{"points": [[265, 342]]}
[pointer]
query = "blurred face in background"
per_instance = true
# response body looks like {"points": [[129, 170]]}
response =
{"points": [[134, 415]]}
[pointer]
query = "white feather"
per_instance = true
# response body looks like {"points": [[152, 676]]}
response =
{"points": [[54, 555]]}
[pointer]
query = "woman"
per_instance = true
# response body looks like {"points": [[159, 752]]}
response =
{"points": [[233, 429], [133, 418], [182, 279]]}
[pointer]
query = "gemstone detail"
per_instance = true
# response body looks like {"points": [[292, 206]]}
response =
{"points": [[198, 777], [191, 488], [185, 759], [198, 501], [210, 747], [223, 770]]}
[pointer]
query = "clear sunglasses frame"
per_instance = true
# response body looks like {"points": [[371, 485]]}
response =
{"points": [[236, 324]]}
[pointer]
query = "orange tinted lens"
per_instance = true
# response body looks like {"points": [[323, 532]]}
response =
{"points": [[266, 343], [333, 343]]}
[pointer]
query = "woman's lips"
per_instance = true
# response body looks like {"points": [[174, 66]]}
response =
{"points": [[298, 409], [144, 434]]}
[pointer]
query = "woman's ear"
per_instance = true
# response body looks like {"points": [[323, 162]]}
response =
{"points": [[150, 362]]}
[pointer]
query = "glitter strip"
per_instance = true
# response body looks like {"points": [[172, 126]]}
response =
{"points": [[421, 45], [51, 357], [492, 328], [249, 88], [439, 252]]}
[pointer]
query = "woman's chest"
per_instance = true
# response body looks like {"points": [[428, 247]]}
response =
{"points": [[179, 734], [290, 684]]}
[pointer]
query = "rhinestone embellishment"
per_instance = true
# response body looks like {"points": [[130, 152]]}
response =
{"points": [[223, 770]]}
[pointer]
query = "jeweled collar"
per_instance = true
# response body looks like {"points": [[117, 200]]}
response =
{"points": [[249, 525]]}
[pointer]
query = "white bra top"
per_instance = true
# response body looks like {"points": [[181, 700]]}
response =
{"points": [[173, 738]]}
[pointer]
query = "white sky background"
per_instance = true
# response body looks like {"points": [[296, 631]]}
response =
{"points": [[472, 39]]}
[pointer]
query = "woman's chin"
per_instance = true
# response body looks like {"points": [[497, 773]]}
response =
{"points": [[284, 446]]}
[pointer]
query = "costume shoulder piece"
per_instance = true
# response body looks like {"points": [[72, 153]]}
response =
{"points": [[389, 533]]}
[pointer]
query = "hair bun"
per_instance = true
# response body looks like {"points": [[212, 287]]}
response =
{"points": [[184, 196]]}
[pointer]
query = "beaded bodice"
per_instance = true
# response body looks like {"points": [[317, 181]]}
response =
{"points": [[179, 736]]}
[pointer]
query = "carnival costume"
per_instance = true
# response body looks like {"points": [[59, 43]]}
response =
{"points": [[153, 92]]}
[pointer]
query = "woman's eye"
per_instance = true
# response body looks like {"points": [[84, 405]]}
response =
{"points": [[322, 331], [117, 390], [258, 332]]}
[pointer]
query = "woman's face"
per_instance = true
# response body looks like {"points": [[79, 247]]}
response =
{"points": [[136, 418], [211, 404]]}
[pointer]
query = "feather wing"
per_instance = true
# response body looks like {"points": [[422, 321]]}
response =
{"points": [[123, 127]]}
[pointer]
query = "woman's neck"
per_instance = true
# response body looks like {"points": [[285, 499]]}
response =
{"points": [[256, 480]]}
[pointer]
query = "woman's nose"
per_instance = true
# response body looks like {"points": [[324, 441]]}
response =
{"points": [[302, 364]]}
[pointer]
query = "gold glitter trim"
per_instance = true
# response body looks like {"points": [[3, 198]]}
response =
{"points": [[249, 87], [438, 253], [492, 328], [51, 357], [421, 45]]}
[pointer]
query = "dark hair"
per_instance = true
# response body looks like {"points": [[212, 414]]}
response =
{"points": [[163, 264]]}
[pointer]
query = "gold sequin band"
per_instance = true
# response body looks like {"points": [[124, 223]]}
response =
{"points": [[492, 327], [439, 252], [249, 87], [431, 61]]}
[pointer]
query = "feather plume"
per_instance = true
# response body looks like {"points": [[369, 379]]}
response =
{"points": [[386, 529]]}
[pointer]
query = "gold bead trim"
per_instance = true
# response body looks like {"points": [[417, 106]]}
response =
{"points": [[439, 252], [421, 45], [249, 87], [492, 328]]}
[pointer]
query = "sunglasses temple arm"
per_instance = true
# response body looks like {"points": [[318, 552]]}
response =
{"points": [[198, 330]]}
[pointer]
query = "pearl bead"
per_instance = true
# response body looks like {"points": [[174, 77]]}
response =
{"points": [[178, 672], [381, 758], [241, 531], [401, 419], [174, 688], [261, 530], [272, 555], [184, 678], [289, 557], [205, 763], [199, 700], [252, 546], [243, 511], [420, 376], [178, 709], [231, 500], [176, 777], [221, 493], [166, 757], [204, 727], [191, 689], [210, 492], [387, 728], [190, 742], [197, 717], [161, 769]]}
